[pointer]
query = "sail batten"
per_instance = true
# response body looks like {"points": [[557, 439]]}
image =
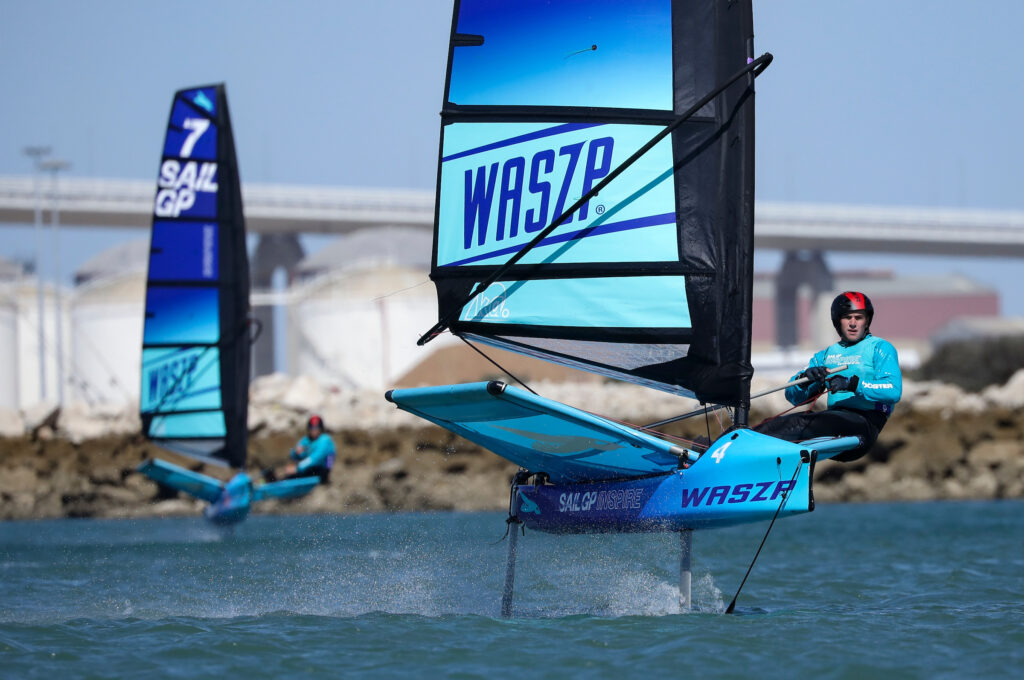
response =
{"points": [[195, 353], [661, 256]]}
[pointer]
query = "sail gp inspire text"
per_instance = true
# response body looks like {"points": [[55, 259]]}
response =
{"points": [[546, 193]]}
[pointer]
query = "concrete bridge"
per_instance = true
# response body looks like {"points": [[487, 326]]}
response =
{"points": [[278, 213], [283, 209]]}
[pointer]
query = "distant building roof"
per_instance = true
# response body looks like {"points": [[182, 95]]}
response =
{"points": [[10, 269], [885, 283], [370, 248], [125, 258], [976, 328]]}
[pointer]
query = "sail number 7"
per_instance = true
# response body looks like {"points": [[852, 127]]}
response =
{"points": [[197, 127]]}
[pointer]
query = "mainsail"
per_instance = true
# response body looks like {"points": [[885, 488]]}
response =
{"points": [[650, 280], [195, 347]]}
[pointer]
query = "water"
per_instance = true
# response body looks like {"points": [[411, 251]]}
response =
{"points": [[900, 590]]}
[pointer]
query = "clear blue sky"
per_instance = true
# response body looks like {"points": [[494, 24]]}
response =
{"points": [[869, 102]]}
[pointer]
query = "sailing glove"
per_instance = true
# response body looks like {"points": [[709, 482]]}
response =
{"points": [[817, 374], [840, 383]]}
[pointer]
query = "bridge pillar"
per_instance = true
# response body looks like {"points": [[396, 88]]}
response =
{"points": [[273, 251], [799, 267]]}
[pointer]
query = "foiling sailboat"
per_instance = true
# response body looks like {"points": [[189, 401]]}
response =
{"points": [[595, 209], [197, 334]]}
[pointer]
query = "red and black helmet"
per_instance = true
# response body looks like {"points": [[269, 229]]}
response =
{"points": [[315, 421], [851, 301]]}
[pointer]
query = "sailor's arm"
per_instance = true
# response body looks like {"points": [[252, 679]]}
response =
{"points": [[319, 450], [797, 394]]}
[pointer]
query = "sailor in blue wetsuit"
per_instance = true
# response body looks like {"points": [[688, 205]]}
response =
{"points": [[313, 456], [860, 397]]}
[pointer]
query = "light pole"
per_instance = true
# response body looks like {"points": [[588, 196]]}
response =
{"points": [[55, 166], [36, 153]]}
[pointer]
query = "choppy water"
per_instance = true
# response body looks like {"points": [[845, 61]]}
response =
{"points": [[850, 591]]}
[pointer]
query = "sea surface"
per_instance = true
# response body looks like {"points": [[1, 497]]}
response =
{"points": [[916, 590]]}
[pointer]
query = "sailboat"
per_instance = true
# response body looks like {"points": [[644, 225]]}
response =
{"points": [[197, 333], [595, 205]]}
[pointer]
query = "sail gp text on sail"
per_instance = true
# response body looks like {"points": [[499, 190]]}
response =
{"points": [[179, 183], [529, 192]]}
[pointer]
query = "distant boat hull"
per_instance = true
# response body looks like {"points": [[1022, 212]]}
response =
{"points": [[230, 502]]}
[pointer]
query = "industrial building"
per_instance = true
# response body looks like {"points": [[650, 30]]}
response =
{"points": [[354, 310]]}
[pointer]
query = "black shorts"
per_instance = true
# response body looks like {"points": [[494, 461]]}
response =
{"points": [[321, 471], [836, 422]]}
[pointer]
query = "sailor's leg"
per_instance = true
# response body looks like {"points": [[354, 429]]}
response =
{"points": [[510, 569], [686, 549]]}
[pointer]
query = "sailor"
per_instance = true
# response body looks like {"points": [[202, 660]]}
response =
{"points": [[860, 397], [312, 456]]}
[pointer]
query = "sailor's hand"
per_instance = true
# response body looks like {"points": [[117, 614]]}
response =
{"points": [[300, 449], [816, 374], [840, 383]]}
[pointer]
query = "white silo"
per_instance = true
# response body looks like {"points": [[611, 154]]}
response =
{"points": [[106, 322], [8, 346], [359, 305]]}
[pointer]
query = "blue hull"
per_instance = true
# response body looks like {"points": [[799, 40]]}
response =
{"points": [[744, 477], [230, 503]]}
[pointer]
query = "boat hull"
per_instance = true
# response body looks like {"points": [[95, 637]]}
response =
{"points": [[744, 477]]}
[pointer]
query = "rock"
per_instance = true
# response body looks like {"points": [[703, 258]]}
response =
{"points": [[11, 423], [1008, 396], [269, 389], [304, 395], [994, 453], [18, 479], [983, 485], [913, 489], [37, 415], [932, 396]]}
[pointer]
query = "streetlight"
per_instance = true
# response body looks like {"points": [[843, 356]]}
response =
{"points": [[36, 153], [55, 166]]}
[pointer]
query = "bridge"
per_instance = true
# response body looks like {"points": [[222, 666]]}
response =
{"points": [[287, 210], [279, 213]]}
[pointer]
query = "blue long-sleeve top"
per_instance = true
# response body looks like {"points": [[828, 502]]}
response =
{"points": [[315, 453], [873, 360]]}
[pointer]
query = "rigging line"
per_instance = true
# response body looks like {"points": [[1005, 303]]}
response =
{"points": [[782, 504], [496, 364], [654, 433], [400, 290], [756, 66]]}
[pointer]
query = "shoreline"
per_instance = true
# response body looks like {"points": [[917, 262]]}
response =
{"points": [[941, 444]]}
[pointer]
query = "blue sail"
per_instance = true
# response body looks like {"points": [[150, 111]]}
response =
{"points": [[649, 281], [195, 351]]}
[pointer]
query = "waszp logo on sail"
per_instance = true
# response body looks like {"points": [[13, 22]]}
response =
{"points": [[523, 195], [171, 377], [179, 182]]}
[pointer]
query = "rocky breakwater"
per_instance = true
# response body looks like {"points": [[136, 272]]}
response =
{"points": [[942, 443]]}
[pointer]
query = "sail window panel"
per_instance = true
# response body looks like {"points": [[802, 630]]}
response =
{"points": [[604, 53], [183, 251], [602, 302], [501, 183], [180, 379], [201, 425], [624, 356], [181, 316]]}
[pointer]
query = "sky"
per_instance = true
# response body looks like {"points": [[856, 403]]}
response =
{"points": [[867, 103]]}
